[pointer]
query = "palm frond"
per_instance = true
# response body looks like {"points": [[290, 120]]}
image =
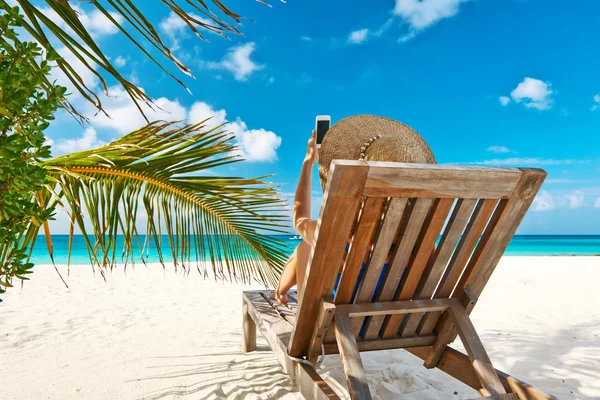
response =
{"points": [[161, 169], [76, 38]]}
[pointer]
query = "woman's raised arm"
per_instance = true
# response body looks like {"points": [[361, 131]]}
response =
{"points": [[305, 226]]}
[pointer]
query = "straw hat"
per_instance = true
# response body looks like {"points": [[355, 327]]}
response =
{"points": [[371, 138]]}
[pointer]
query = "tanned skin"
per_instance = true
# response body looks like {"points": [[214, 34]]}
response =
{"points": [[295, 269]]}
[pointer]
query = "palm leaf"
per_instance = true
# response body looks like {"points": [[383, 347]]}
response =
{"points": [[162, 169], [136, 27]]}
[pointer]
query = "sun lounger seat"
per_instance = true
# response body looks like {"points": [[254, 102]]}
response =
{"points": [[442, 230]]}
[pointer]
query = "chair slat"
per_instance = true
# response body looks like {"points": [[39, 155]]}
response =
{"points": [[437, 263], [483, 245], [359, 249], [471, 235], [406, 242], [383, 243], [283, 309], [341, 202], [439, 181], [497, 236], [424, 250], [385, 344]]}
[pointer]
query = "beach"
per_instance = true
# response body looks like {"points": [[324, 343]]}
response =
{"points": [[151, 334]]}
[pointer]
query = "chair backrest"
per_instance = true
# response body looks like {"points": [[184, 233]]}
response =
{"points": [[393, 215]]}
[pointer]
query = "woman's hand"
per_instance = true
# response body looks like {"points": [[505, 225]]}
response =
{"points": [[312, 152]]}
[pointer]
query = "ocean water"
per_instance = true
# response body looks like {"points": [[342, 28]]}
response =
{"points": [[521, 245]]}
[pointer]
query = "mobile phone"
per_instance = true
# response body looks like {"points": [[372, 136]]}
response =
{"points": [[322, 124]]}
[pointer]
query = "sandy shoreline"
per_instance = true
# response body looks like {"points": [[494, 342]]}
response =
{"points": [[150, 334]]}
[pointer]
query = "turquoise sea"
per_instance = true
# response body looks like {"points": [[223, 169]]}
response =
{"points": [[521, 245]]}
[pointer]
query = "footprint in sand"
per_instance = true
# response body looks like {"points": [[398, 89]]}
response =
{"points": [[400, 380]]}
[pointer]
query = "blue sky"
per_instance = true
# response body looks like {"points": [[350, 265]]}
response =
{"points": [[510, 83]]}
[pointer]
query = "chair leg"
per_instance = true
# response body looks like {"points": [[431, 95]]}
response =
{"points": [[324, 319], [353, 367], [481, 362], [249, 330]]}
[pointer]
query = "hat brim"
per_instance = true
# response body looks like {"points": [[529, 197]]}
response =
{"points": [[396, 142]]}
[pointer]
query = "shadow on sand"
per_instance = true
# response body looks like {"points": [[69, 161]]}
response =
{"points": [[222, 372], [541, 360]]}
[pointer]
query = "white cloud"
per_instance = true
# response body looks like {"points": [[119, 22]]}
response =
{"points": [[384, 28], [174, 27], [546, 201], [359, 36], [120, 61], [421, 14], [499, 149], [597, 203], [88, 140], [177, 29], [533, 93], [597, 102], [256, 145], [307, 38], [124, 115], [504, 100], [363, 35], [543, 202], [407, 37], [575, 199], [238, 62], [528, 161], [88, 77], [201, 111], [134, 78], [96, 23]]}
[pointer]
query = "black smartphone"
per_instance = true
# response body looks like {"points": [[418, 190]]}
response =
{"points": [[322, 124]]}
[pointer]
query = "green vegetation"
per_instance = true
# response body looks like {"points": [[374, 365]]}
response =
{"points": [[27, 104], [70, 33], [160, 168]]}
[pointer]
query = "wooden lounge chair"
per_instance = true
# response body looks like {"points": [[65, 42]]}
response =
{"points": [[422, 300]]}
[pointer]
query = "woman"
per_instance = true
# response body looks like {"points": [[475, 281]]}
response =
{"points": [[360, 137], [295, 269]]}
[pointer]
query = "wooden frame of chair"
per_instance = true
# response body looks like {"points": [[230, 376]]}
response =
{"points": [[349, 348], [422, 300], [259, 311]]}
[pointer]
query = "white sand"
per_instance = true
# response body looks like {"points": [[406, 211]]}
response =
{"points": [[155, 335]]}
